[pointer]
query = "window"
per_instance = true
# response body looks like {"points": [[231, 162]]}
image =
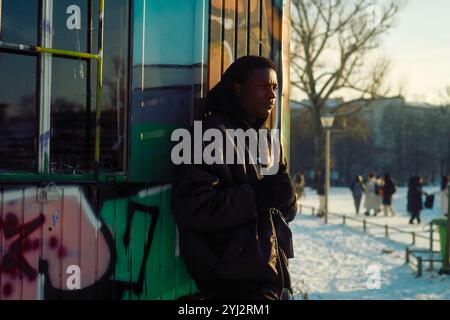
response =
{"points": [[17, 112], [19, 21], [61, 107], [18, 117]]}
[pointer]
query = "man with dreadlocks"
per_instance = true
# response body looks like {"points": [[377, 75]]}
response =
{"points": [[232, 220]]}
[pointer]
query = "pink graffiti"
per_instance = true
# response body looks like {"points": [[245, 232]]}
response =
{"points": [[29, 233]]}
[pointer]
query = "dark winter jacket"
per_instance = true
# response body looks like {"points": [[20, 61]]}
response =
{"points": [[415, 203], [320, 184], [388, 190], [357, 188], [231, 247]]}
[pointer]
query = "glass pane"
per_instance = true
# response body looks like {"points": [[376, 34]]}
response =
{"points": [[19, 21], [167, 77], [115, 86], [18, 151], [70, 25], [70, 147]]}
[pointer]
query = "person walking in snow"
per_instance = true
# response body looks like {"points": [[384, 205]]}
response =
{"points": [[371, 200], [300, 184], [415, 202], [389, 189], [444, 195], [357, 188], [379, 183]]}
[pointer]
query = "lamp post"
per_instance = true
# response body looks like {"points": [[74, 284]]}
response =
{"points": [[327, 121]]}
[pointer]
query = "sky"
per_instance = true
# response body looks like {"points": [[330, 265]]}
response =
{"points": [[418, 47]]}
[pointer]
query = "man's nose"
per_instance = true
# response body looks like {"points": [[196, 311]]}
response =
{"points": [[271, 93]]}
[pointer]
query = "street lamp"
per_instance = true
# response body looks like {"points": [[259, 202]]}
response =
{"points": [[327, 120]]}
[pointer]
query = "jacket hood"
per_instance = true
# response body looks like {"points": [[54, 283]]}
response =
{"points": [[222, 99]]}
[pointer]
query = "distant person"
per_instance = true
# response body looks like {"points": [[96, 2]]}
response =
{"points": [[415, 203], [371, 200], [389, 189], [444, 195], [358, 189], [320, 189], [300, 184], [379, 183]]}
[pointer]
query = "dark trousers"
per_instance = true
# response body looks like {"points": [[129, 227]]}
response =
{"points": [[357, 200], [415, 215]]}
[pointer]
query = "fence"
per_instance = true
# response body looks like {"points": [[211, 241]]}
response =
{"points": [[420, 254]]}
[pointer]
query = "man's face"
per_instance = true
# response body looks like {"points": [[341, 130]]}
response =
{"points": [[257, 95]]}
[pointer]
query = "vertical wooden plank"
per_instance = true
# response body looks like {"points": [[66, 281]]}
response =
{"points": [[52, 238], [254, 27], [31, 244], [242, 28], [215, 43], [105, 249], [266, 31], [109, 203], [139, 237], [12, 223], [122, 251], [229, 34], [70, 251], [169, 259], [277, 20], [154, 272], [88, 247]]}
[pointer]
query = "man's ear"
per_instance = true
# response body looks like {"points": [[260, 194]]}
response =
{"points": [[237, 88]]}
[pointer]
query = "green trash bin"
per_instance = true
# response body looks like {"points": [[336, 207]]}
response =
{"points": [[442, 223]]}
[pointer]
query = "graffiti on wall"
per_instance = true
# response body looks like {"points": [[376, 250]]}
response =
{"points": [[44, 243]]}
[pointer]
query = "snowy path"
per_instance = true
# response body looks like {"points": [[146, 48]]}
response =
{"points": [[331, 261]]}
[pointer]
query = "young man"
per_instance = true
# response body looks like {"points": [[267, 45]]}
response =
{"points": [[232, 219]]}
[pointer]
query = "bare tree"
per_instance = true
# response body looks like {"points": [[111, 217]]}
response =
{"points": [[331, 43], [445, 97]]}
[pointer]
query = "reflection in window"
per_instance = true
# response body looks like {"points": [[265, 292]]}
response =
{"points": [[70, 25], [19, 21], [115, 86], [17, 113], [70, 146]]}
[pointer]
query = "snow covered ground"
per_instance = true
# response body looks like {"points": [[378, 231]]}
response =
{"points": [[341, 202], [336, 262]]}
